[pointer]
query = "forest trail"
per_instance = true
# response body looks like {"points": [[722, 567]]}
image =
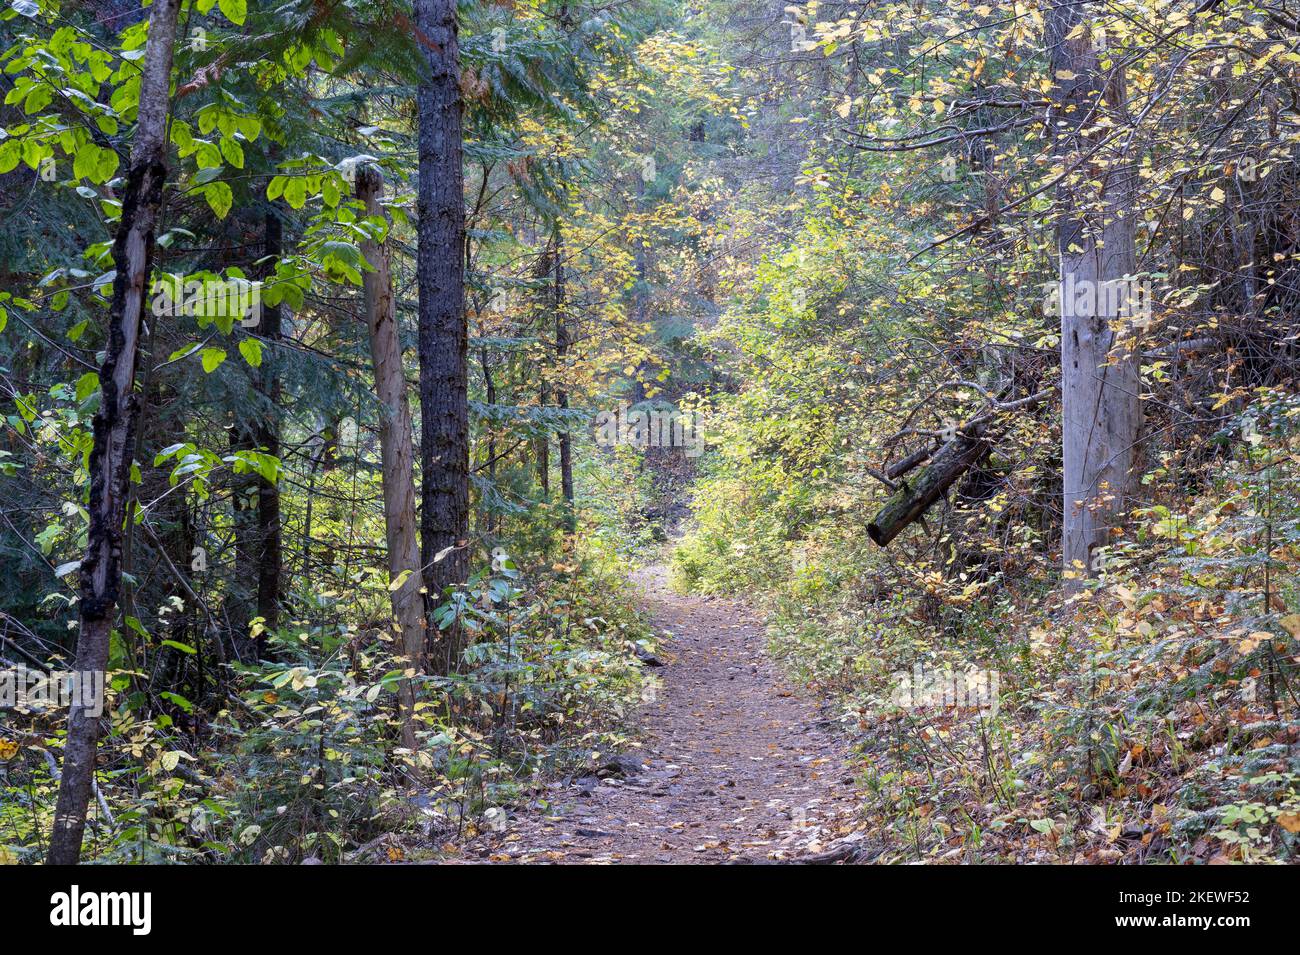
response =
{"points": [[733, 767]]}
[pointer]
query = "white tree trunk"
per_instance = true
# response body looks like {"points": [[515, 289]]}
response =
{"points": [[1099, 300]]}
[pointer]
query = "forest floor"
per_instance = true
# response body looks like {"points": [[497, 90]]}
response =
{"points": [[733, 764]]}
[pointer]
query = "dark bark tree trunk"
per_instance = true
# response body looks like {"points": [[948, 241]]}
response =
{"points": [[444, 403], [397, 453], [570, 517], [255, 501], [1101, 407], [542, 442], [237, 606], [488, 518], [114, 425], [269, 532]]}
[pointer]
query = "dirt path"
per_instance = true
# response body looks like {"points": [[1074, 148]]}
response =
{"points": [[734, 767]]}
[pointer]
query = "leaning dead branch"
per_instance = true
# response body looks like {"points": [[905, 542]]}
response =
{"points": [[949, 462]]}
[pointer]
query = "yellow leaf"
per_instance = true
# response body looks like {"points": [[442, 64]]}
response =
{"points": [[1127, 596], [1253, 640]]}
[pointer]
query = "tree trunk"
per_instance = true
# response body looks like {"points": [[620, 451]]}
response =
{"points": [[397, 452], [542, 443], [444, 376], [114, 424], [237, 604], [561, 395], [542, 439], [1100, 383], [269, 533], [489, 518], [255, 501]]}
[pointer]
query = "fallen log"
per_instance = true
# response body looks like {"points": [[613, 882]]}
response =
{"points": [[914, 497], [899, 468], [948, 463]]}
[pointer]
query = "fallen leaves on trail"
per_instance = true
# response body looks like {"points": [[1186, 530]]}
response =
{"points": [[730, 770]]}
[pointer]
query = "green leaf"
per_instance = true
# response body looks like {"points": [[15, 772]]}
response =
{"points": [[182, 137], [86, 162], [251, 349], [37, 99], [87, 385], [10, 155], [267, 465], [233, 152], [219, 197], [46, 538], [235, 10], [108, 162], [176, 698], [298, 57], [211, 358], [250, 126], [295, 192], [206, 155], [208, 174]]}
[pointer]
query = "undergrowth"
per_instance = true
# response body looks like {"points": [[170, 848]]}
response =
{"points": [[299, 762], [1147, 715]]}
